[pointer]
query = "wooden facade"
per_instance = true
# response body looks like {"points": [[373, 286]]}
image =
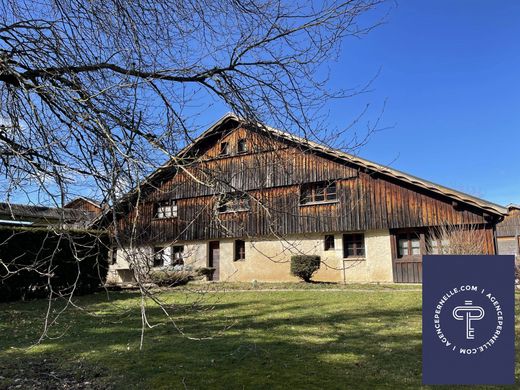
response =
{"points": [[508, 233], [408, 268], [271, 173]]}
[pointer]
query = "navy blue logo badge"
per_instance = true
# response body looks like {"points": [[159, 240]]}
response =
{"points": [[468, 320]]}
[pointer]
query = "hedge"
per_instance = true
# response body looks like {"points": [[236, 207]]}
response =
{"points": [[38, 261]]}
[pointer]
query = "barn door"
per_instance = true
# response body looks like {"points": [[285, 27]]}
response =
{"points": [[214, 258], [407, 250]]}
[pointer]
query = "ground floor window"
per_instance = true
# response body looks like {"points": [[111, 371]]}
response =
{"points": [[354, 245], [437, 246], [408, 244], [240, 250], [177, 255], [329, 242], [158, 256], [420, 242]]}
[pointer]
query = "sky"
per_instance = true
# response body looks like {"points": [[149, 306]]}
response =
{"points": [[450, 76]]}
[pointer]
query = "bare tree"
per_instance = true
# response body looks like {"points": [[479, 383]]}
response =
{"points": [[99, 94]]}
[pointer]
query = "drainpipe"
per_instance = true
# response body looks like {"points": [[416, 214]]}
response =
{"points": [[495, 240]]}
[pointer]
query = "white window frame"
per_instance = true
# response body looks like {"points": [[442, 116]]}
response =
{"points": [[166, 210]]}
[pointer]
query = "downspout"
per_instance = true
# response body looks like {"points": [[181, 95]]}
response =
{"points": [[495, 240]]}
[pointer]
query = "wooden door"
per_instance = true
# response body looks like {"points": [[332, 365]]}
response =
{"points": [[214, 258], [407, 250]]}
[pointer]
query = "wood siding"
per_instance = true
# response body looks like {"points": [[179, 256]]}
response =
{"points": [[271, 173], [408, 269], [510, 226]]}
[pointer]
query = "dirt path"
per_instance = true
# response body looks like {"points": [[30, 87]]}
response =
{"points": [[313, 290]]}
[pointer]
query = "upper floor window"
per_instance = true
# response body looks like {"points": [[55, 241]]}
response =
{"points": [[318, 192], [354, 245], [240, 250], [329, 242], [224, 148], [242, 145], [166, 209], [178, 255], [233, 203], [408, 244]]}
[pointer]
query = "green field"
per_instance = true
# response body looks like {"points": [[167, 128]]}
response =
{"points": [[359, 337]]}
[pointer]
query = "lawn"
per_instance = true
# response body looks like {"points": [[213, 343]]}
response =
{"points": [[356, 338]]}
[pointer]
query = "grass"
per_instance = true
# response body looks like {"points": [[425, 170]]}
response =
{"points": [[301, 339]]}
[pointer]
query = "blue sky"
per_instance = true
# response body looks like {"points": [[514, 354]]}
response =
{"points": [[450, 72], [449, 82]]}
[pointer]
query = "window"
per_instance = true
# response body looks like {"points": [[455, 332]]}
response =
{"points": [[166, 209], [408, 244], [240, 250], [233, 203], [113, 256], [353, 245], [224, 148], [329, 242], [318, 192], [158, 256], [436, 246], [242, 145], [177, 255]]}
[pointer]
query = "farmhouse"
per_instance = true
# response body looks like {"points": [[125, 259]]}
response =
{"points": [[244, 198]]}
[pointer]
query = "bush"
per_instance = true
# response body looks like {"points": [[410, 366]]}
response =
{"points": [[206, 271], [76, 261], [304, 266], [170, 278]]}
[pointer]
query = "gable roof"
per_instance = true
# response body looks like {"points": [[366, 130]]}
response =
{"points": [[367, 164], [84, 199], [219, 126]]}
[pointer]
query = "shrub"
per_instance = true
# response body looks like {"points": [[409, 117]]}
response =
{"points": [[75, 260], [205, 271], [304, 266], [170, 278], [460, 240]]}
